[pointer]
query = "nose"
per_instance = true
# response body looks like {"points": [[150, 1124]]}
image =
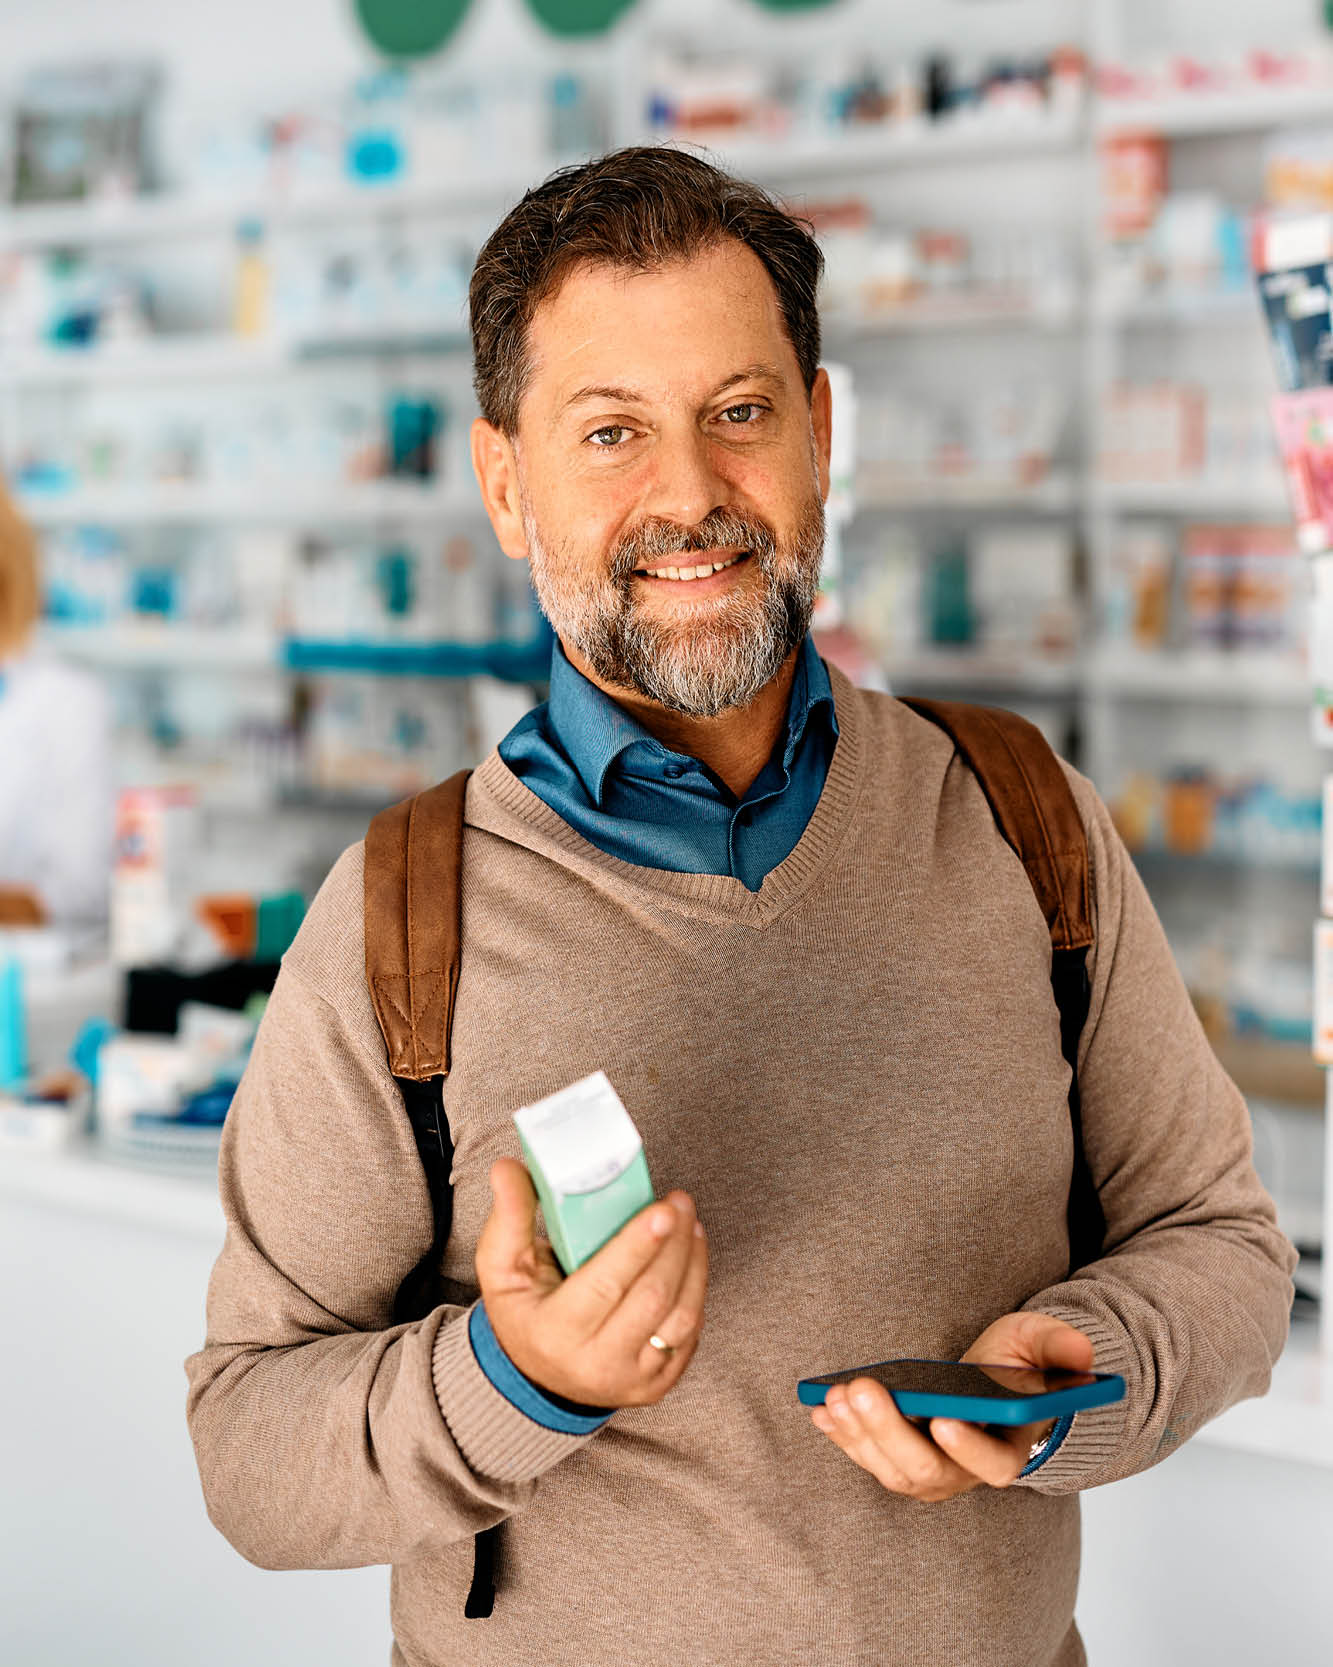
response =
{"points": [[686, 485]]}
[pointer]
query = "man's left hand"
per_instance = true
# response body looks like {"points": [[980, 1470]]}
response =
{"points": [[960, 1457]]}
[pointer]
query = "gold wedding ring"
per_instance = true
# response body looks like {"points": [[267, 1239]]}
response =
{"points": [[661, 1343]]}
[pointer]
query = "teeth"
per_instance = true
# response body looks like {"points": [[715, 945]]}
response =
{"points": [[700, 572]]}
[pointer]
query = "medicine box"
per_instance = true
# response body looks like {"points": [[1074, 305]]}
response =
{"points": [[587, 1163]]}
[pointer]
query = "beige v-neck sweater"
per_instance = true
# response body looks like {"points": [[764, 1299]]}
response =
{"points": [[856, 1074]]}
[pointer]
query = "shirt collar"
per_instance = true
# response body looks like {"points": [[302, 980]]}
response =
{"points": [[595, 731]]}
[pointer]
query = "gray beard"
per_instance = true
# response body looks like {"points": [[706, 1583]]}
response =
{"points": [[719, 655]]}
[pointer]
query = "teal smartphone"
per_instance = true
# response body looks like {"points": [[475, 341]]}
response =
{"points": [[975, 1393]]}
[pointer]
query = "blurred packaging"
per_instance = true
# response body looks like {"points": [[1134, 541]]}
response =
{"points": [[1139, 594], [85, 130], [157, 832]]}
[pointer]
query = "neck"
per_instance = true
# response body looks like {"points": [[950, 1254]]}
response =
{"points": [[735, 745]]}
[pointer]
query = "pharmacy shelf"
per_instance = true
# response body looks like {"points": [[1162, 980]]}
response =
{"points": [[1265, 496], [270, 503], [1202, 308], [970, 669], [878, 146], [1214, 864], [133, 646], [878, 488], [1241, 678], [1267, 1070], [966, 311], [189, 359], [176, 215], [1205, 114]]}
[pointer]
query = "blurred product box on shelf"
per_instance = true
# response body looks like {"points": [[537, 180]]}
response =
{"points": [[1166, 433], [380, 738], [875, 272], [1133, 183], [1153, 433], [1173, 75], [86, 131], [412, 125], [157, 833], [1177, 243], [1138, 596], [167, 1097], [1022, 585], [1192, 810], [719, 94], [1001, 437], [1242, 587], [1008, 591], [288, 437]]}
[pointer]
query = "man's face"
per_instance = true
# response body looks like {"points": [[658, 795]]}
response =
{"points": [[666, 429]]}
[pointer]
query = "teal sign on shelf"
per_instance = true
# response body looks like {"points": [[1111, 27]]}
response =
{"points": [[578, 17], [410, 28], [512, 662]]}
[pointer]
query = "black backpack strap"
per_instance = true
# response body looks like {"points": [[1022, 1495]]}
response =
{"points": [[413, 928], [1034, 808]]}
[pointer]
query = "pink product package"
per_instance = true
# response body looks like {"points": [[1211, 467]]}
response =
{"points": [[1304, 424]]}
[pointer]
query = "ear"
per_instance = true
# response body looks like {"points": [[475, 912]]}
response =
{"points": [[821, 424], [496, 469]]}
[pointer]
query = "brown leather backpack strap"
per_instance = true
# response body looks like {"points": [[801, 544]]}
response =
{"points": [[1033, 805], [413, 917]]}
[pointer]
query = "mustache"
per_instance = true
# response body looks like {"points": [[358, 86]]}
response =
{"points": [[648, 544]]}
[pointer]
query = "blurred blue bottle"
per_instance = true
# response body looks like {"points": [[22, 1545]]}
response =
{"points": [[13, 1035]]}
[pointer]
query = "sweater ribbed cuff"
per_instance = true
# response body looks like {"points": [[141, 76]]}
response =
{"points": [[497, 1440], [1097, 1433]]}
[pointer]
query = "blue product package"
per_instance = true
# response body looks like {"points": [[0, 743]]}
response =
{"points": [[13, 1033]]}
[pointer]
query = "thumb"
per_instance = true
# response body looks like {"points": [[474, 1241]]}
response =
{"points": [[1055, 1344], [507, 1243]]}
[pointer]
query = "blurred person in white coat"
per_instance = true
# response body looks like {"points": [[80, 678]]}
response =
{"points": [[55, 768]]}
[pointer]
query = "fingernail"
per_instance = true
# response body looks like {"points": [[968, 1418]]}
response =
{"points": [[660, 1223], [684, 1205], [698, 1229], [862, 1399], [946, 1429], [841, 1409]]}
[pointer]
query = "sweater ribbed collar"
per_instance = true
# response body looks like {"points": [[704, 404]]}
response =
{"points": [[498, 801]]}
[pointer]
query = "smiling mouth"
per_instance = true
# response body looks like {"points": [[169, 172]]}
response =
{"points": [[700, 570]]}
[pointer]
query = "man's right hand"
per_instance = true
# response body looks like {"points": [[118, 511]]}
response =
{"points": [[585, 1336]]}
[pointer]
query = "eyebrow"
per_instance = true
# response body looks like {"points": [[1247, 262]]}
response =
{"points": [[759, 372]]}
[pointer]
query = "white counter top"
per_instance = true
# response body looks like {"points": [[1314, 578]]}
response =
{"points": [[87, 1181]]}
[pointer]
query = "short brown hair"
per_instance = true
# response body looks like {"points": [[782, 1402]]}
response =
{"points": [[19, 594], [638, 208]]}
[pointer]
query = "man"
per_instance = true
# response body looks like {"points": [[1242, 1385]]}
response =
{"points": [[778, 912]]}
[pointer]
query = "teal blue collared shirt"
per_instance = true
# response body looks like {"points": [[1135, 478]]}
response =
{"points": [[635, 798]]}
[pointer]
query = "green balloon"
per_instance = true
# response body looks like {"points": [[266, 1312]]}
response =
{"points": [[578, 17], [410, 28]]}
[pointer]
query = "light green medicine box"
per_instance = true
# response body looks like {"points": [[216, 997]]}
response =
{"points": [[587, 1164]]}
